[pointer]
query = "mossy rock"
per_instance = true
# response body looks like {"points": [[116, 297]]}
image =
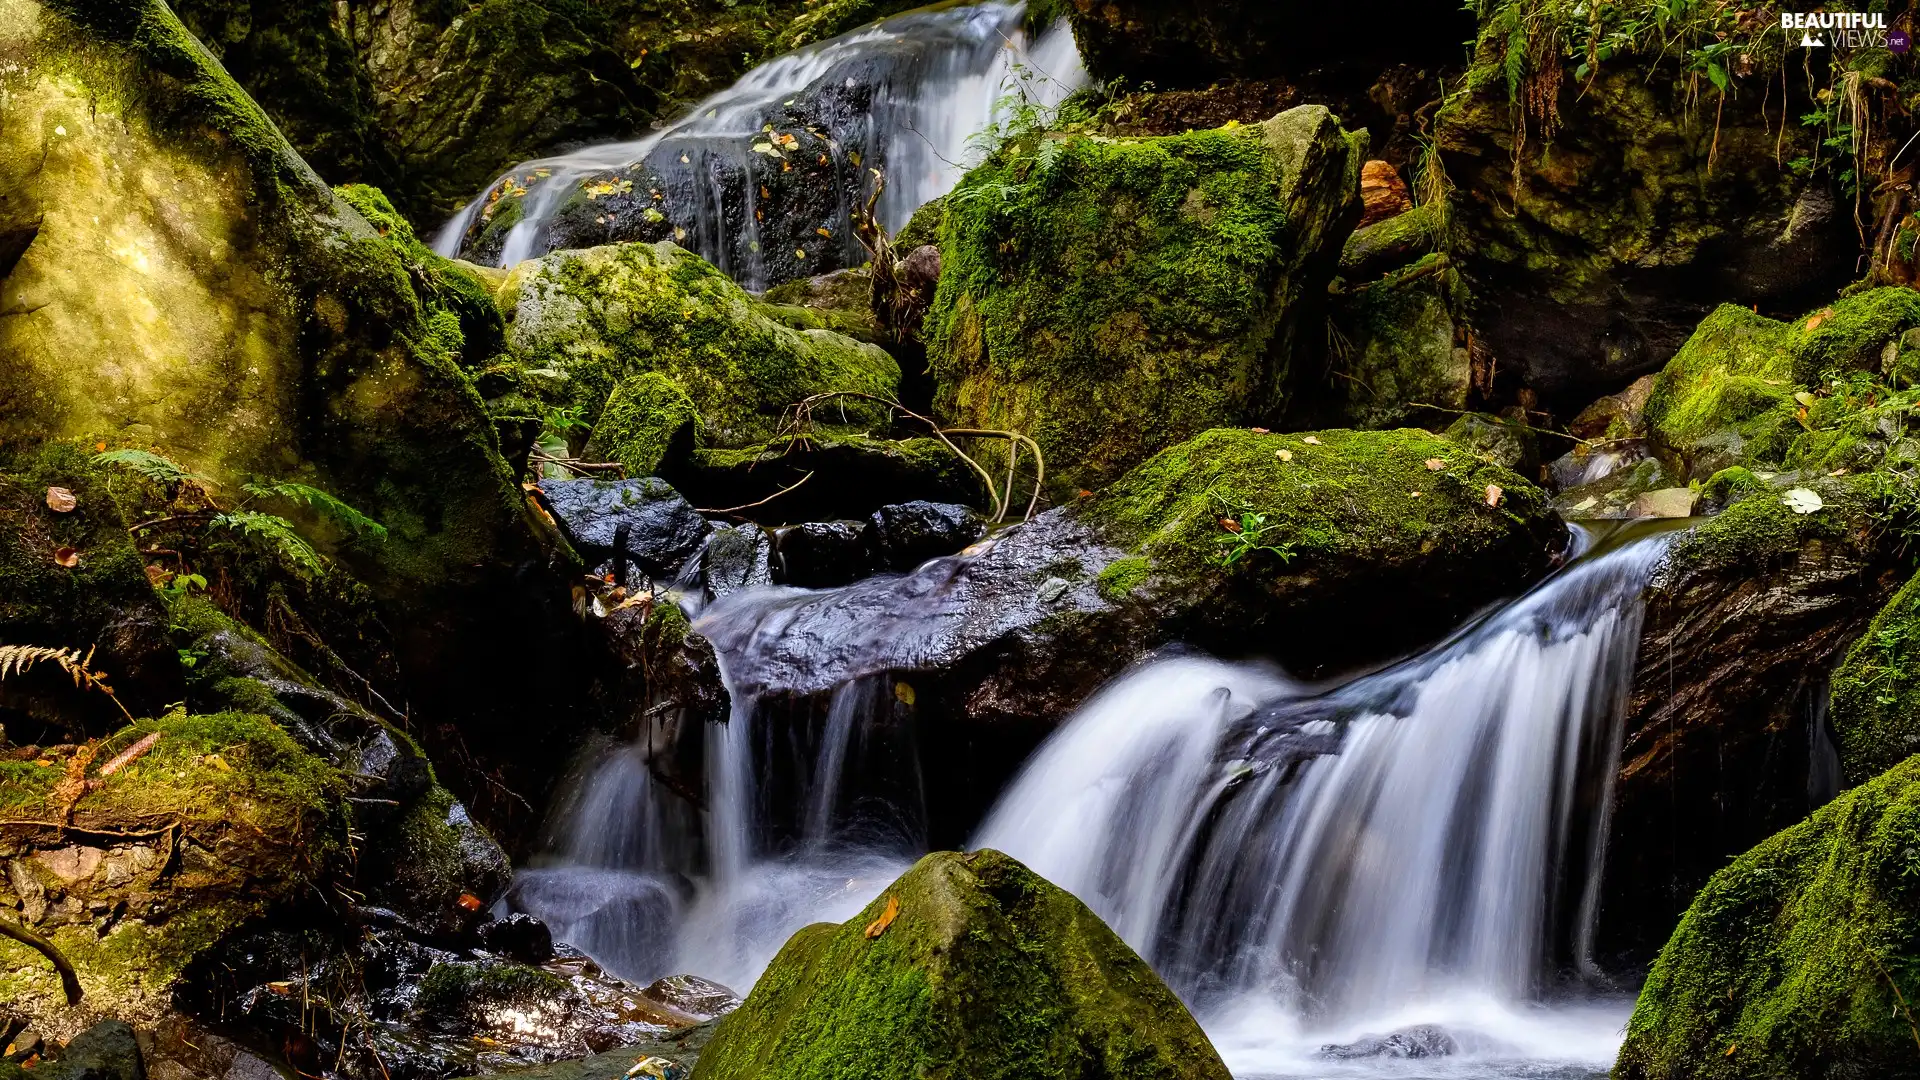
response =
{"points": [[1110, 297], [1402, 361], [223, 817], [970, 963], [648, 422], [1795, 959], [1398, 241], [1595, 247], [1348, 510], [1875, 707], [607, 314]]}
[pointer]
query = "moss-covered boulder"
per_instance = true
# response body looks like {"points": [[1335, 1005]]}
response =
{"points": [[1799, 958], [1603, 202], [154, 862], [1110, 297], [970, 963], [600, 317], [1875, 706], [1745, 388], [1402, 356]]}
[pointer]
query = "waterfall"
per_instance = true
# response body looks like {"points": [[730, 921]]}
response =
{"points": [[760, 178], [1419, 845]]}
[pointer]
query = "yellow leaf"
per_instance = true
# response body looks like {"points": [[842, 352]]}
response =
{"points": [[879, 925], [218, 762], [1311, 441], [1434, 464], [904, 692], [800, 254], [1283, 455]]}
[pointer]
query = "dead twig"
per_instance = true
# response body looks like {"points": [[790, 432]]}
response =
{"points": [[762, 502], [69, 978]]}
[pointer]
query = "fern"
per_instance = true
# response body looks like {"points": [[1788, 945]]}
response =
{"points": [[324, 504], [160, 470], [18, 659], [277, 532]]}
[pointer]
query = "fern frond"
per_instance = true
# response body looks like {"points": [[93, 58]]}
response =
{"points": [[18, 659], [276, 531], [321, 502], [159, 469]]}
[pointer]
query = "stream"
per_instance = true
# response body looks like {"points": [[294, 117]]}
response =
{"points": [[1408, 859]]}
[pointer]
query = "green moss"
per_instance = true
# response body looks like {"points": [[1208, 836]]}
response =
{"points": [[1399, 354], [468, 987], [983, 964], [1859, 333], [1761, 530], [1734, 374], [1122, 576], [1787, 963], [1109, 297], [607, 314], [648, 418], [1875, 704], [1401, 238], [1346, 499]]}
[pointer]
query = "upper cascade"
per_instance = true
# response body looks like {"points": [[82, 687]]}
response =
{"points": [[762, 179]]}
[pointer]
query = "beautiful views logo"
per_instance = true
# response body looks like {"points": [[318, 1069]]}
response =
{"points": [[1843, 29]]}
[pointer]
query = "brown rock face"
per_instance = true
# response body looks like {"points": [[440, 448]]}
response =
{"points": [[1382, 193]]}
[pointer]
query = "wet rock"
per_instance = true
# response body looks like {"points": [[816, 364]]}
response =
{"points": [[1503, 441], [1390, 243], [1405, 361], [974, 958], [1664, 503], [662, 530], [680, 1049], [737, 557], [1419, 1041], [908, 534], [518, 937], [1616, 416], [106, 1051], [841, 301], [694, 996], [822, 554], [1102, 360]]}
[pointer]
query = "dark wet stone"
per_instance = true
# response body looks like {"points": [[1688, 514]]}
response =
{"points": [[518, 937], [738, 557], [105, 1051], [908, 534], [823, 554], [662, 529], [695, 996], [1419, 1041]]}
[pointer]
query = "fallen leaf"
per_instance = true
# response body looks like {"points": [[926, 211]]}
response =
{"points": [[281, 988], [1260, 431], [470, 902], [879, 925], [1814, 323], [828, 233], [1493, 494], [101, 447], [217, 762], [60, 500], [800, 254], [158, 575], [1311, 441], [1084, 493], [903, 692], [1805, 398], [1803, 500], [67, 557], [1415, 494], [1283, 455], [1730, 1049], [45, 763], [1434, 464], [1230, 525]]}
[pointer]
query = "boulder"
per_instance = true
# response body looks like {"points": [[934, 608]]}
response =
{"points": [[1110, 297], [1597, 218], [1875, 699], [908, 534], [1403, 357], [661, 531], [822, 554], [600, 317], [1791, 960], [105, 1051], [966, 958], [1400, 240], [1723, 738], [1419, 1041]]}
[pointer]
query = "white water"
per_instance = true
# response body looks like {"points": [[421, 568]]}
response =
{"points": [[1306, 866], [1437, 868], [937, 78]]}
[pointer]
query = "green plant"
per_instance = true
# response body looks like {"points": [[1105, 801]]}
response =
{"points": [[320, 502], [1245, 531]]}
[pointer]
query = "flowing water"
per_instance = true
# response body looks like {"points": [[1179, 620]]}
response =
{"points": [[905, 96], [1417, 849]]}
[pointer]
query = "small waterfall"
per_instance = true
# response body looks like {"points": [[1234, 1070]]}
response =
{"points": [[1420, 845], [760, 179]]}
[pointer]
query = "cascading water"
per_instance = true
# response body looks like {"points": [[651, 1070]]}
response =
{"points": [[760, 179], [1416, 849], [1419, 846]]}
